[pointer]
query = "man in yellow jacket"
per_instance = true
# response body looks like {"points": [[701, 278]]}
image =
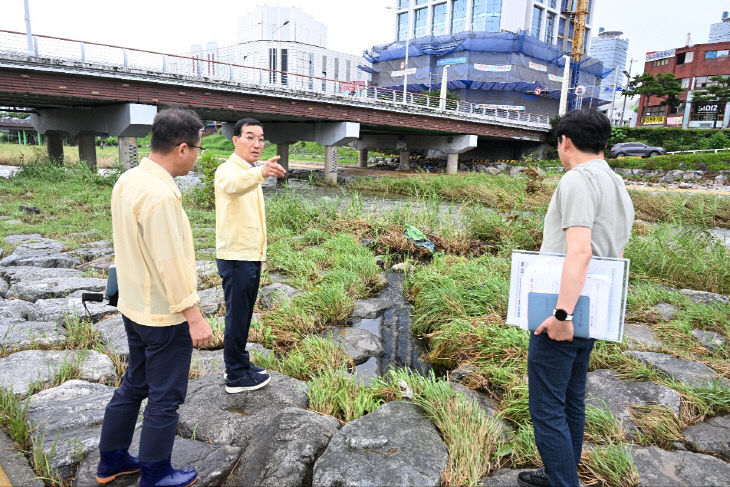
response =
{"points": [[241, 247], [158, 300]]}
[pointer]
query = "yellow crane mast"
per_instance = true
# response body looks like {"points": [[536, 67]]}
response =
{"points": [[580, 16]]}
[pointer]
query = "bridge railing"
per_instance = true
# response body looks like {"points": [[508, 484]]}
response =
{"points": [[112, 57]]}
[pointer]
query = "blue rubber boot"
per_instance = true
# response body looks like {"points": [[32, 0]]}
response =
{"points": [[161, 474], [114, 463]]}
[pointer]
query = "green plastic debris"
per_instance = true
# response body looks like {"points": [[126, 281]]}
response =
{"points": [[419, 238]]}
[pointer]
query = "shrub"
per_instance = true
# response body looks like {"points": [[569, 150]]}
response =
{"points": [[204, 195]]}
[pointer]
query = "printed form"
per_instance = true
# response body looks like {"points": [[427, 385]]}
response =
{"points": [[606, 285]]}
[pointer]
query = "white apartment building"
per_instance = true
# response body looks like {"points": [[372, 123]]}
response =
{"points": [[720, 32], [541, 19], [287, 47]]}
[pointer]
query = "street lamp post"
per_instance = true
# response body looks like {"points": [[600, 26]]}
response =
{"points": [[28, 34], [628, 79]]}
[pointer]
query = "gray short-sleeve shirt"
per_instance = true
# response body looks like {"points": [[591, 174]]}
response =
{"points": [[590, 195]]}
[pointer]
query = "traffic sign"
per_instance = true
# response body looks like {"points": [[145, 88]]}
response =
{"points": [[580, 90], [538, 91]]}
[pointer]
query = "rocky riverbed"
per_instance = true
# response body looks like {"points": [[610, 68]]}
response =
{"points": [[269, 437]]}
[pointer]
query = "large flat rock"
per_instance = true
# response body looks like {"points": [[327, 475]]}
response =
{"points": [[501, 478], [211, 300], [658, 467], [711, 436], [211, 361], [22, 369], [395, 446], [114, 335], [213, 463], [54, 287], [641, 335], [692, 373], [30, 334], [15, 274], [57, 309], [14, 310], [35, 250], [94, 250], [15, 465], [703, 297], [68, 421], [359, 344], [605, 390], [282, 451], [213, 415]]}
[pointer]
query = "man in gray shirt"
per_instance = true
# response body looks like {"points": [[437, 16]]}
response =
{"points": [[590, 214]]}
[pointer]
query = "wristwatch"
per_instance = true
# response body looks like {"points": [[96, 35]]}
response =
{"points": [[562, 315]]}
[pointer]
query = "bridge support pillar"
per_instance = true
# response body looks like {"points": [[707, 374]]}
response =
{"points": [[404, 156], [87, 150], [362, 157], [282, 150], [54, 145], [452, 163], [330, 164], [128, 152]]}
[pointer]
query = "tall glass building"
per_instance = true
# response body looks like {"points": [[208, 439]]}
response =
{"points": [[505, 53]]}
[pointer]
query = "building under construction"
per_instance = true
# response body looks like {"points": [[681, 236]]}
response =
{"points": [[497, 52]]}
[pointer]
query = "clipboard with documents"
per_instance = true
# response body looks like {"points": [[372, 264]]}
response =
{"points": [[601, 308]]}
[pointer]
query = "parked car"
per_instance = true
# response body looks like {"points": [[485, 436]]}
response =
{"points": [[636, 149]]}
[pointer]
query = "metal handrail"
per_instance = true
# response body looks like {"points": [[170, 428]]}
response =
{"points": [[100, 54]]}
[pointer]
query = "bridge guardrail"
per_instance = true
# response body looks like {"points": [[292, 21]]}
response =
{"points": [[114, 57]]}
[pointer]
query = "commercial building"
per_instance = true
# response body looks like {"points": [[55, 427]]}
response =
{"points": [[507, 53], [612, 50], [693, 66], [720, 32], [286, 47]]}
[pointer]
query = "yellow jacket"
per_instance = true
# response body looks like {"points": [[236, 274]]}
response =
{"points": [[153, 247], [240, 221]]}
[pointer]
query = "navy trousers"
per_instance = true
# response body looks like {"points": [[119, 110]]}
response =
{"points": [[240, 287], [159, 365], [557, 373]]}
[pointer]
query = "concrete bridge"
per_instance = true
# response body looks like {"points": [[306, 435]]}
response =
{"points": [[87, 89]]}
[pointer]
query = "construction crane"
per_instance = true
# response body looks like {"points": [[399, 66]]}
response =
{"points": [[576, 12]]}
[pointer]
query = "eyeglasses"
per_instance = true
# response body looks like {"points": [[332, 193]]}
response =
{"points": [[201, 149], [251, 140]]}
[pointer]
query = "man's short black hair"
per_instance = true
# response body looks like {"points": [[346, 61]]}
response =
{"points": [[174, 126], [238, 128], [589, 130]]}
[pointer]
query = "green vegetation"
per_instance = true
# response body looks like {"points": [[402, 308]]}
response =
{"points": [[672, 139], [458, 297]]}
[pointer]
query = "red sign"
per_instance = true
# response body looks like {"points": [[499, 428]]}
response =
{"points": [[538, 91], [351, 85]]}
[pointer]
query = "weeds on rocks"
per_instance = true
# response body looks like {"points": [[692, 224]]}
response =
{"points": [[336, 393], [608, 466], [13, 413], [310, 357], [41, 461], [656, 425], [602, 427]]}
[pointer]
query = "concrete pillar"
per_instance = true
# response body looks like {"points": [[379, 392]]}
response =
{"points": [[54, 145], [87, 150], [404, 155], [362, 157], [282, 150], [452, 163], [330, 164], [128, 152]]}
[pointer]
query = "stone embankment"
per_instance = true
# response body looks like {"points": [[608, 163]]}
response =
{"points": [[269, 437]]}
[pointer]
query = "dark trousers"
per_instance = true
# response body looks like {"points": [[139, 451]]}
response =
{"points": [[557, 373], [159, 365], [240, 287]]}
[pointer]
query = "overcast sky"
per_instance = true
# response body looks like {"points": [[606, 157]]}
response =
{"points": [[163, 25]]}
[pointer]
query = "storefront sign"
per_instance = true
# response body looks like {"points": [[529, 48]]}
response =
{"points": [[711, 108], [537, 67], [653, 56], [403, 72], [556, 78], [450, 61], [351, 85], [653, 120], [493, 67], [675, 121]]}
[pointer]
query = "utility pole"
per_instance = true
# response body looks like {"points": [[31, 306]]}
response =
{"points": [[564, 89], [28, 33], [405, 69], [628, 79]]}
